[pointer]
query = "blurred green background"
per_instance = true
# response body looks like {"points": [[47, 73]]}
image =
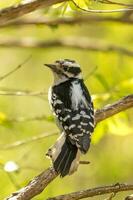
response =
{"points": [[108, 76]]}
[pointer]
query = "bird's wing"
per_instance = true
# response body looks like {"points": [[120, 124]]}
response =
{"points": [[78, 124]]}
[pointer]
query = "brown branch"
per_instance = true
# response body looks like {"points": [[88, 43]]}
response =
{"points": [[39, 183], [12, 12], [84, 19], [110, 110], [36, 186], [76, 43], [94, 192], [130, 197]]}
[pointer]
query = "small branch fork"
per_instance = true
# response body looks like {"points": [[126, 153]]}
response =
{"points": [[40, 182]]}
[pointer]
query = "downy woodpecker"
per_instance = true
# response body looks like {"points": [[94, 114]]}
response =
{"points": [[73, 110]]}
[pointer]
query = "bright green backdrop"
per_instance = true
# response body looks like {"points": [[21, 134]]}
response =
{"points": [[111, 152]]}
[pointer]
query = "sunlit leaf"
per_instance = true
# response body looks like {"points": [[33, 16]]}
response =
{"points": [[64, 9]]}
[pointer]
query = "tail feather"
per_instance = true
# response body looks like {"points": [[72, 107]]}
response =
{"points": [[65, 156]]}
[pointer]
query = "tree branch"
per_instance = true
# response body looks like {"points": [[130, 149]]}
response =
{"points": [[12, 12], [94, 192], [130, 197], [71, 42], [110, 110], [14, 70], [83, 19], [39, 183], [36, 186]]}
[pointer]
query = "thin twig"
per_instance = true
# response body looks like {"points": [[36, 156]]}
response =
{"points": [[13, 180], [15, 69], [102, 11], [115, 3], [94, 192], [10, 176], [22, 93], [112, 195], [90, 73], [27, 141], [84, 162], [29, 119]]}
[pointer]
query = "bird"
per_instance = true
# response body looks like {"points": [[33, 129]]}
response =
{"points": [[73, 110]]}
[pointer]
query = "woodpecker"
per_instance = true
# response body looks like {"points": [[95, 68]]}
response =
{"points": [[73, 109]]}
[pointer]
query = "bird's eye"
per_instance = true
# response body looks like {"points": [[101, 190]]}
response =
{"points": [[65, 68]]}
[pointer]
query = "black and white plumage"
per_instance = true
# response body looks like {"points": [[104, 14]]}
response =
{"points": [[73, 109]]}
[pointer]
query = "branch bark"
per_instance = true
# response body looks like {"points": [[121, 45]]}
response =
{"points": [[110, 110], [14, 12], [40, 182], [70, 42], [94, 192], [83, 19], [36, 186]]}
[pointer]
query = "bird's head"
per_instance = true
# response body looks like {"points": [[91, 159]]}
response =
{"points": [[65, 69]]}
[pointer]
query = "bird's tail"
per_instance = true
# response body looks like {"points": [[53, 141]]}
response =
{"points": [[64, 156]]}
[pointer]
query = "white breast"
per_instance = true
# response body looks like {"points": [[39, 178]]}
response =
{"points": [[77, 96]]}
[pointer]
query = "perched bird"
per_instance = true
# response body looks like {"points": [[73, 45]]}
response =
{"points": [[73, 110]]}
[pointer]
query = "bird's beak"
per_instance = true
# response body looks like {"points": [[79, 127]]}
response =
{"points": [[51, 66]]}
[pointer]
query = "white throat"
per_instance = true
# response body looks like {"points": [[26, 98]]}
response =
{"points": [[62, 79], [58, 81]]}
